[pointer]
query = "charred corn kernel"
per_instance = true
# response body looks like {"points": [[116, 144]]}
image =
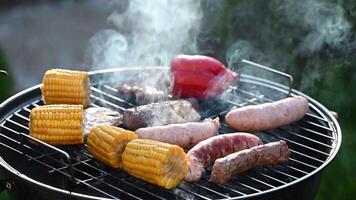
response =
{"points": [[57, 124], [156, 162], [106, 143], [60, 86]]}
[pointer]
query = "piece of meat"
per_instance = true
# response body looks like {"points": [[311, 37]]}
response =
{"points": [[184, 135], [268, 115], [141, 95], [207, 151], [268, 154], [100, 116], [159, 114]]}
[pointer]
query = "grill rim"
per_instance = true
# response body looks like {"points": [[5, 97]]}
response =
{"points": [[263, 82]]}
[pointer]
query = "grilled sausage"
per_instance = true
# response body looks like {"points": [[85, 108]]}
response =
{"points": [[268, 115], [271, 153], [207, 151], [159, 114], [184, 135]]}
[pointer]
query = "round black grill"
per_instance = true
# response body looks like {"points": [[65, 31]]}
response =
{"points": [[69, 171]]}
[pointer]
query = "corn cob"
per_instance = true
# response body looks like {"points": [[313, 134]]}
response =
{"points": [[57, 124], [106, 143], [61, 86], [156, 162]]}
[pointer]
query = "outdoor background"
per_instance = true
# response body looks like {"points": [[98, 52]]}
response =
{"points": [[314, 40]]}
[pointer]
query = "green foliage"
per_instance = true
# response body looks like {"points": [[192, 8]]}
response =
{"points": [[5, 80]]}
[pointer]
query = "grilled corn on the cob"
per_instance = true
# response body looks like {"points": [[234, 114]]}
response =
{"points": [[106, 143], [61, 86], [159, 163], [57, 124]]}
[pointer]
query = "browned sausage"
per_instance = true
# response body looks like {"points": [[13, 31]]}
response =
{"points": [[271, 153], [184, 135], [207, 151], [268, 115]]}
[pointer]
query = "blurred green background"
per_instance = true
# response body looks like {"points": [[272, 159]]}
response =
{"points": [[292, 36]]}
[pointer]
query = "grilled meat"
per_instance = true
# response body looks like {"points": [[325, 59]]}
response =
{"points": [[141, 95], [159, 114], [184, 135], [100, 116], [207, 151], [271, 153], [269, 115]]}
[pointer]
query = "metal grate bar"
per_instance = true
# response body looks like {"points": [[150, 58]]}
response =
{"points": [[282, 173], [114, 90], [21, 116], [226, 188], [115, 98], [20, 125], [193, 193], [249, 187], [105, 102], [302, 154], [320, 126], [211, 190], [312, 140], [98, 190], [317, 133], [270, 177], [303, 163], [257, 180]]}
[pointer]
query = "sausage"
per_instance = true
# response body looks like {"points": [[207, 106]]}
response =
{"points": [[207, 151], [268, 115], [271, 153], [159, 114], [184, 135]]}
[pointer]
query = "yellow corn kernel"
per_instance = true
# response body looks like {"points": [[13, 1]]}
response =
{"points": [[106, 143], [57, 124], [60, 86], [159, 163]]}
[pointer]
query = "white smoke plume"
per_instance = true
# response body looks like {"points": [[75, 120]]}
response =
{"points": [[281, 33], [145, 33], [324, 23]]}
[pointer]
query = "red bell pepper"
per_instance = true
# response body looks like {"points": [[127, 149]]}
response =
{"points": [[199, 77]]}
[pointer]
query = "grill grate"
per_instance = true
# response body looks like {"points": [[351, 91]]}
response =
{"points": [[311, 141]]}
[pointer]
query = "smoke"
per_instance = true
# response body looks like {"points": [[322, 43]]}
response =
{"points": [[324, 23], [290, 36], [145, 33]]}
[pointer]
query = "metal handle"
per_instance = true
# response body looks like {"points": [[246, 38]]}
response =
{"points": [[5, 183], [3, 72], [65, 154], [290, 77]]}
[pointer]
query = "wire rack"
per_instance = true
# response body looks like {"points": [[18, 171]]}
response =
{"points": [[312, 142]]}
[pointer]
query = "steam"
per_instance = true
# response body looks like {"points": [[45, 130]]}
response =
{"points": [[145, 33]]}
